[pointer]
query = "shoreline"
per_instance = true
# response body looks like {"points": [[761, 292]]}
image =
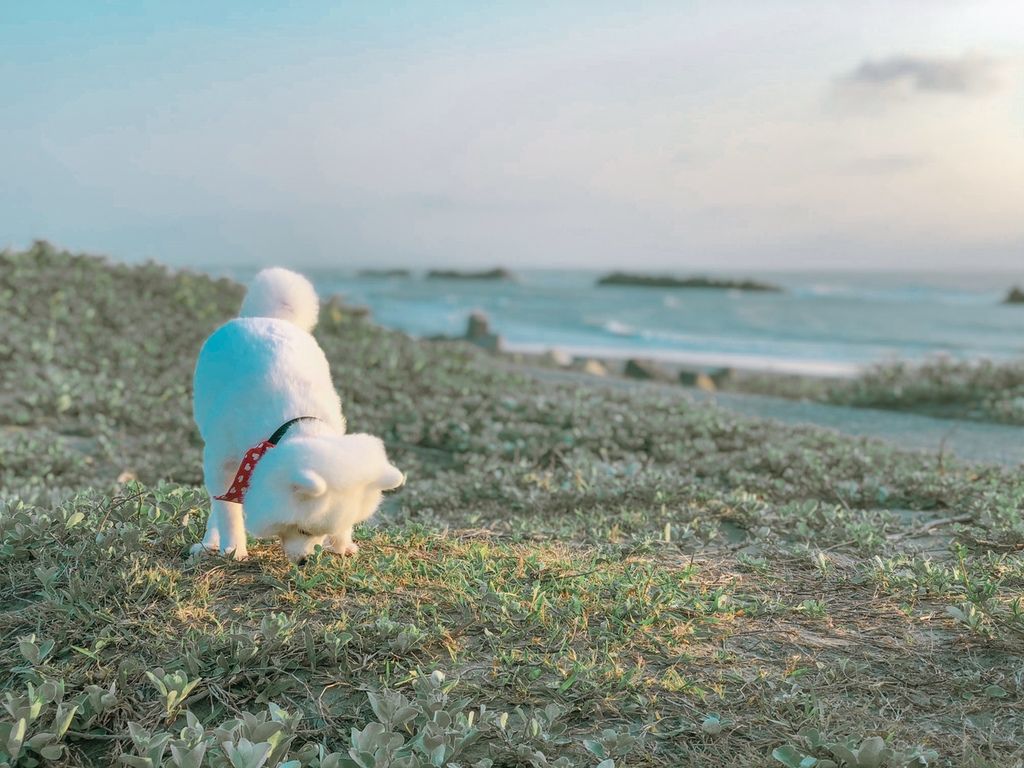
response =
{"points": [[679, 360]]}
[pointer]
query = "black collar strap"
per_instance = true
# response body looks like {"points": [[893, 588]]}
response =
{"points": [[275, 438]]}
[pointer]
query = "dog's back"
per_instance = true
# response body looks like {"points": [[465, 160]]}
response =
{"points": [[264, 367]]}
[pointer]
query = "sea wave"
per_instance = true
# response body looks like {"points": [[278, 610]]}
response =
{"points": [[610, 326], [910, 294], [616, 328]]}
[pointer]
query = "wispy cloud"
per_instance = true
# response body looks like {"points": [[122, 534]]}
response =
{"points": [[967, 75]]}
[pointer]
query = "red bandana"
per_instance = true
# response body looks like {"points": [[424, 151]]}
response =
{"points": [[244, 474]]}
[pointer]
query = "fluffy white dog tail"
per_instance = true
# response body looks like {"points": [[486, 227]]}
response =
{"points": [[283, 294]]}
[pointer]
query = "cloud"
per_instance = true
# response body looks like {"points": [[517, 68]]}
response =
{"points": [[968, 75]]}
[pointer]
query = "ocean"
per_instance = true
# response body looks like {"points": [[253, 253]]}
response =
{"points": [[825, 323]]}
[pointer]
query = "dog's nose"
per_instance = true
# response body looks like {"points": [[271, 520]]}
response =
{"points": [[301, 561]]}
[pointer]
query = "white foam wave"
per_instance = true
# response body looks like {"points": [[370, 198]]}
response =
{"points": [[710, 359], [618, 329]]}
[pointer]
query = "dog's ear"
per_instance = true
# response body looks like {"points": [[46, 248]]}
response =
{"points": [[308, 483], [390, 478]]}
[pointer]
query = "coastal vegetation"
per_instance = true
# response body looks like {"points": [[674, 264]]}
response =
{"points": [[974, 390], [572, 576], [665, 281]]}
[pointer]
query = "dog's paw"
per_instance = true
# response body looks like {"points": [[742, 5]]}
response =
{"points": [[236, 553], [351, 548], [232, 553], [340, 547]]}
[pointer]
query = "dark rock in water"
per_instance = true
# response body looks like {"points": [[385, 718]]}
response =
{"points": [[645, 369], [452, 274], [384, 273], [665, 281], [478, 331], [478, 326], [1015, 296]]}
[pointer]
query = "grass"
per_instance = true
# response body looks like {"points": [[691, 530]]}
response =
{"points": [[570, 577], [945, 388]]}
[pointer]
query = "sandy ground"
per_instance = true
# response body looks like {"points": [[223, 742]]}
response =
{"points": [[970, 441]]}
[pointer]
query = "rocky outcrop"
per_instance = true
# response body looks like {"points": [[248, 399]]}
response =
{"points": [[594, 367], [385, 273], [557, 358], [452, 274], [478, 331], [709, 381], [665, 281], [698, 379], [335, 309], [1015, 296], [645, 370]]}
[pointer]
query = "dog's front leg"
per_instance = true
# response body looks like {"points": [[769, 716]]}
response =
{"points": [[211, 541], [232, 523], [342, 543], [225, 528], [226, 525]]}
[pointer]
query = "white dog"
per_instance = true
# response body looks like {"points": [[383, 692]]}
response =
{"points": [[274, 434]]}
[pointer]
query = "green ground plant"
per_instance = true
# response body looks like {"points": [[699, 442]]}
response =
{"points": [[571, 577], [942, 387]]}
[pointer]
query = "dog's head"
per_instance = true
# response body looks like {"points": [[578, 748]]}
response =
{"points": [[309, 488]]}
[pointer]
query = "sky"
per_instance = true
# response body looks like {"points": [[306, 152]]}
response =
{"points": [[767, 134]]}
